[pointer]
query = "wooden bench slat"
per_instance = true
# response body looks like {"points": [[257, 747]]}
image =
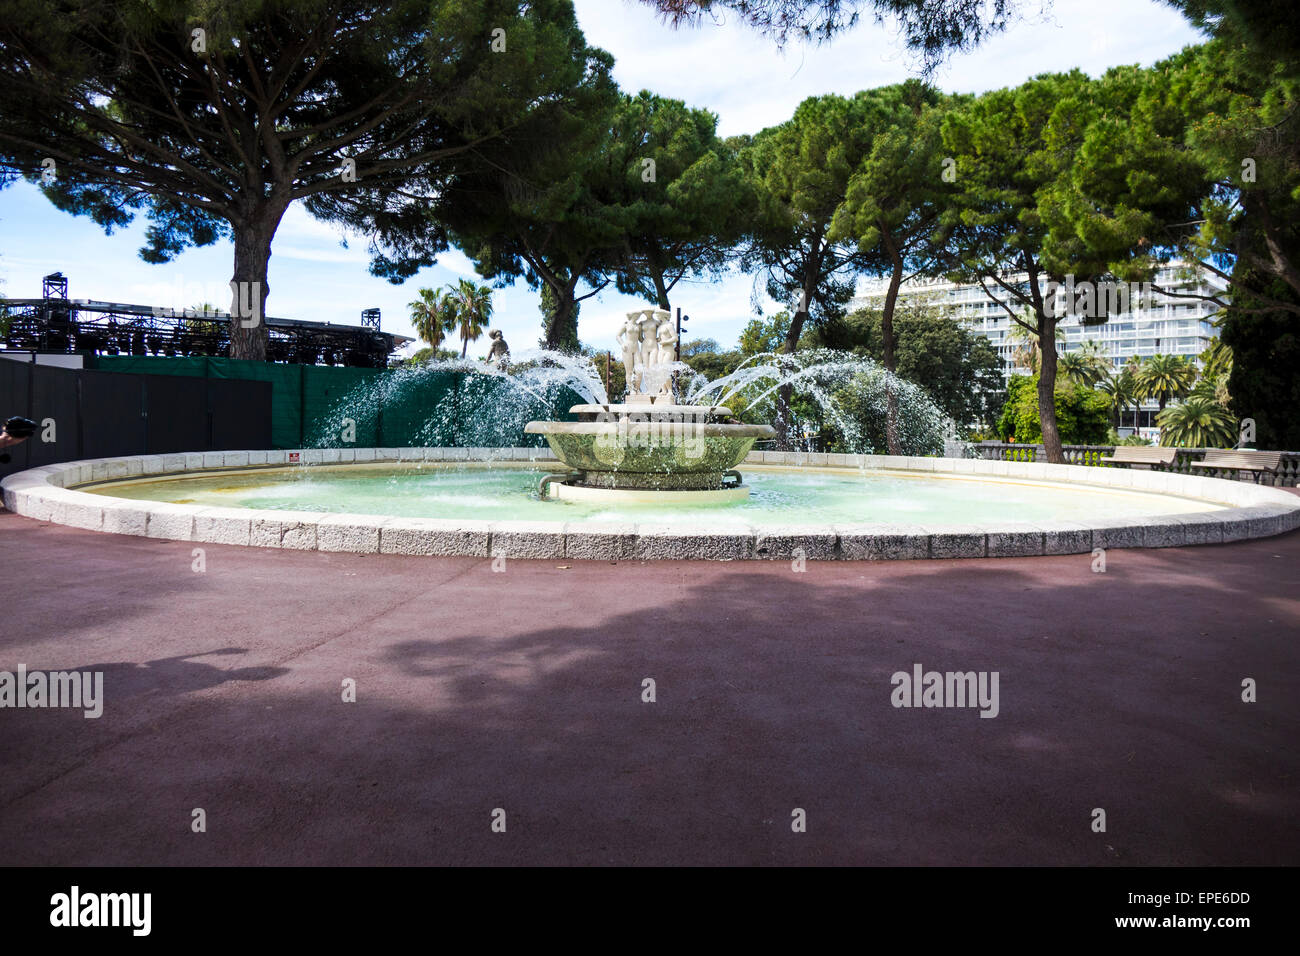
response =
{"points": [[1243, 460], [1141, 455]]}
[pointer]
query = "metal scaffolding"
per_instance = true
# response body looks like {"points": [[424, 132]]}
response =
{"points": [[55, 323]]}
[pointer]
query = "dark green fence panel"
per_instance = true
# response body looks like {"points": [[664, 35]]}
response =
{"points": [[286, 394], [286, 384], [323, 412], [420, 409], [388, 408], [95, 413]]}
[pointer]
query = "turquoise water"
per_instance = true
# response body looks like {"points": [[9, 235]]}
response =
{"points": [[778, 496]]}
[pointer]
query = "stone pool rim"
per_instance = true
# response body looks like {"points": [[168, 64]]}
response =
{"points": [[49, 493]]}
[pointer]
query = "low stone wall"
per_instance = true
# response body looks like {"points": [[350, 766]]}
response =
{"points": [[1286, 476], [49, 494]]}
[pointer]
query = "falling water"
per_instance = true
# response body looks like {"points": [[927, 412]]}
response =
{"points": [[464, 402], [479, 405], [850, 391]]}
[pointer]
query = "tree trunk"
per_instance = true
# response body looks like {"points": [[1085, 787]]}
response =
{"points": [[661, 290], [786, 392], [1047, 388], [464, 348], [562, 324], [249, 289], [887, 345]]}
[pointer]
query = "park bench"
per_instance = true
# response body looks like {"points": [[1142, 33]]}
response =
{"points": [[1141, 456], [1258, 463]]}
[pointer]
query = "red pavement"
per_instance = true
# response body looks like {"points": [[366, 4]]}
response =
{"points": [[522, 690]]}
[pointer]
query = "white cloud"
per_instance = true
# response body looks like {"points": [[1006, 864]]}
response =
{"points": [[453, 260], [298, 224], [353, 254]]}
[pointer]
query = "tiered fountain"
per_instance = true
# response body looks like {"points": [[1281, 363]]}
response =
{"points": [[644, 476], [650, 447]]}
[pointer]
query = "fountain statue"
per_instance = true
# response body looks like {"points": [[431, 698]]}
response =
{"points": [[649, 344], [499, 353], [649, 447]]}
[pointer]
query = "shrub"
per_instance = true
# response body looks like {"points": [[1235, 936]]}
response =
{"points": [[1082, 414]]}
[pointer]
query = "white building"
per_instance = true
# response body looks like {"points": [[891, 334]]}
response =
{"points": [[1152, 324]]}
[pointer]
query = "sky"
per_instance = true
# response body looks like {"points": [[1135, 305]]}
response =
{"points": [[721, 65]]}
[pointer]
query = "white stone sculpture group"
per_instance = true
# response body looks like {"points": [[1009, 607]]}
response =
{"points": [[648, 339]]}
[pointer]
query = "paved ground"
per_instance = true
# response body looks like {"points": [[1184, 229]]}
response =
{"points": [[522, 690]]}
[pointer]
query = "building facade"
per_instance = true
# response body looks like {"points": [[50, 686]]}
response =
{"points": [[1151, 324]]}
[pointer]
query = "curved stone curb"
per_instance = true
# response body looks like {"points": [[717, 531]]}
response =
{"points": [[48, 494]]}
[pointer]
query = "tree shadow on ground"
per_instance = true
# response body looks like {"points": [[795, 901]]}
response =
{"points": [[525, 692]]}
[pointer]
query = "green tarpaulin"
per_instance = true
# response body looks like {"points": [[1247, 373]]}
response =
{"points": [[320, 405]]}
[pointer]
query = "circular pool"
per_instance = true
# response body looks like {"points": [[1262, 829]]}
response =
{"points": [[779, 496], [485, 502]]}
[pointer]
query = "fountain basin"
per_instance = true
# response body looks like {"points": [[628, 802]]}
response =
{"points": [[1163, 509], [650, 455]]}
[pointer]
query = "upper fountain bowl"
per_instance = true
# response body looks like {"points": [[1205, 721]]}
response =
{"points": [[626, 447], [646, 408]]}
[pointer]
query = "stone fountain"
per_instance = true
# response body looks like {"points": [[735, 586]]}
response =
{"points": [[649, 448]]}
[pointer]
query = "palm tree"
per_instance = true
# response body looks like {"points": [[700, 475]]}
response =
{"points": [[1086, 365], [1214, 389], [1073, 366], [1025, 353], [1164, 377], [1197, 423], [1216, 360], [201, 319], [1216, 369], [473, 307], [1123, 392], [433, 315], [1097, 356]]}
